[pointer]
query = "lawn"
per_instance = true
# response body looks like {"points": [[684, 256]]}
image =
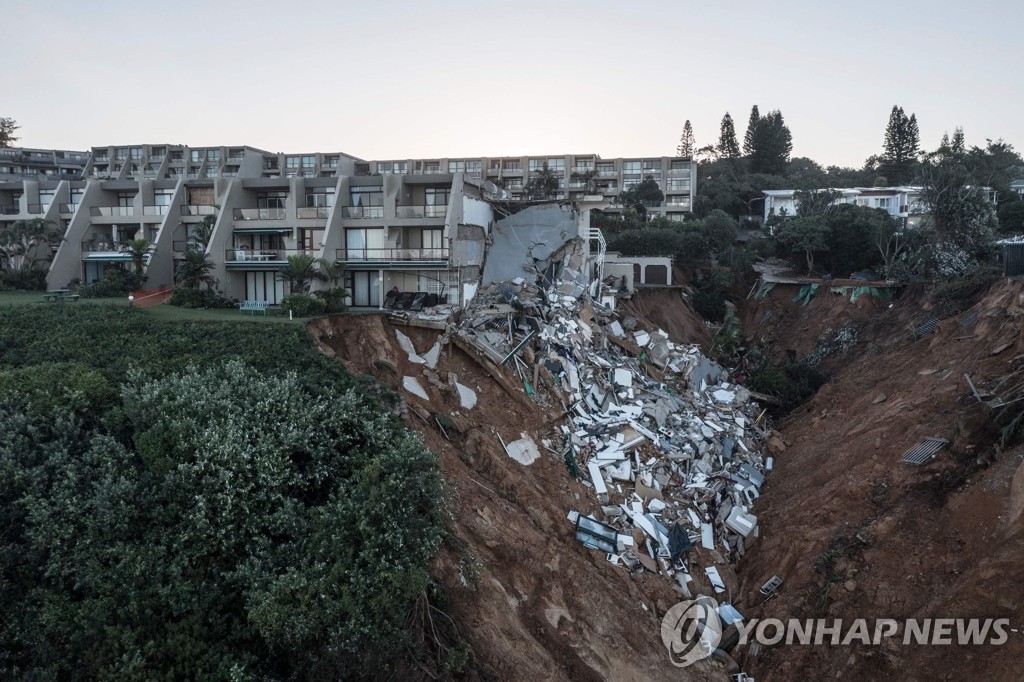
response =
{"points": [[159, 312]]}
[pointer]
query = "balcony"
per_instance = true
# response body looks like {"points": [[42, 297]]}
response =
{"points": [[68, 208], [36, 209], [198, 209], [312, 212], [606, 173], [678, 171], [102, 249], [156, 210], [362, 212], [102, 159], [236, 159], [245, 256], [582, 169], [413, 211], [111, 211], [392, 255], [259, 214], [9, 210]]}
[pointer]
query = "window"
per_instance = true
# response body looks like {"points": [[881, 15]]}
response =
{"points": [[630, 183], [631, 167], [678, 185], [213, 155], [882, 202], [136, 153], [515, 166], [557, 165], [46, 198], [158, 152], [367, 202], [331, 161], [320, 197], [536, 165], [309, 161], [605, 169], [584, 165], [76, 197], [432, 167], [291, 162], [275, 199], [395, 167], [121, 154], [198, 155], [473, 167], [495, 166], [438, 196], [162, 197], [456, 166], [652, 166]]}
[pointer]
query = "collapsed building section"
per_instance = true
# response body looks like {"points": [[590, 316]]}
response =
{"points": [[670, 448]]}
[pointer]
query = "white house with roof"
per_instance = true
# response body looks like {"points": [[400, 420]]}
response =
{"points": [[899, 202]]}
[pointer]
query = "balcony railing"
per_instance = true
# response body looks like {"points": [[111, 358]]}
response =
{"points": [[362, 211], [312, 212], [110, 211], [431, 211], [606, 172], [156, 210], [236, 159], [243, 254], [678, 171], [101, 159], [36, 209], [678, 204], [198, 209], [259, 214], [102, 246], [9, 210], [390, 255], [68, 208], [582, 169]]}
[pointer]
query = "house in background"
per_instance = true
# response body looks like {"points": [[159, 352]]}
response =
{"points": [[903, 203]]}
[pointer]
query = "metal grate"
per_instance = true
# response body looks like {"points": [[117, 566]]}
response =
{"points": [[926, 328], [921, 453]]}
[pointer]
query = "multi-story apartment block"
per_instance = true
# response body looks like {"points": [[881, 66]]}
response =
{"points": [[414, 225]]}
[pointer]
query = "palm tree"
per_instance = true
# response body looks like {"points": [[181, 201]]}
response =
{"points": [[20, 243], [195, 269], [138, 248], [300, 272], [200, 239], [544, 185], [588, 179]]}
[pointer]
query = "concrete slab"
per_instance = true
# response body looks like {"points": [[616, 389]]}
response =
{"points": [[412, 385]]}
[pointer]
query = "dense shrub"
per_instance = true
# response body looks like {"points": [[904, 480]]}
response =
{"points": [[791, 383], [303, 305], [709, 299], [23, 280], [227, 520], [115, 282], [184, 297]]}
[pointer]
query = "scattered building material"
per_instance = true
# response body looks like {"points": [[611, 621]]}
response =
{"points": [[412, 385], [928, 327], [523, 450]]}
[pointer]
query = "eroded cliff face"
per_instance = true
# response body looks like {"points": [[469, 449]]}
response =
{"points": [[856, 533]]}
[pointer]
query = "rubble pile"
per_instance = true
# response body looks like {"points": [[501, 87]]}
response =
{"points": [[671, 449]]}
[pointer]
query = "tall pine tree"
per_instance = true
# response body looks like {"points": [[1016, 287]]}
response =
{"points": [[899, 153], [748, 137], [728, 148], [771, 145], [687, 144]]}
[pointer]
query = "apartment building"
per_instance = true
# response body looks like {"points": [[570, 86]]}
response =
{"points": [[415, 225], [903, 203]]}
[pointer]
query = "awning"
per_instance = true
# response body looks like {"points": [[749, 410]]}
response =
{"points": [[263, 230]]}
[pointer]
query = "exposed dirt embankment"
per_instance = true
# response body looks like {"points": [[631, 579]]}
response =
{"points": [[536, 605], [854, 532], [666, 309]]}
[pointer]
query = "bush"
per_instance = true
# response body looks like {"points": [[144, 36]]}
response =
{"points": [[226, 521], [303, 305], [23, 280], [184, 297], [116, 282], [333, 299], [792, 383], [958, 294], [709, 301]]}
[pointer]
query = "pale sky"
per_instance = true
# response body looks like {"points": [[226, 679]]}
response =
{"points": [[423, 79]]}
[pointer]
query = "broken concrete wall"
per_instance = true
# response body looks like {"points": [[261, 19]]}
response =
{"points": [[524, 243], [468, 248]]}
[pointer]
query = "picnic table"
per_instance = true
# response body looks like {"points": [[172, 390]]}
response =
{"points": [[60, 296]]}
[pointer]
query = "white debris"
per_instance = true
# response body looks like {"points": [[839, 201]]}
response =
{"points": [[467, 396], [523, 450], [412, 385], [432, 356]]}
